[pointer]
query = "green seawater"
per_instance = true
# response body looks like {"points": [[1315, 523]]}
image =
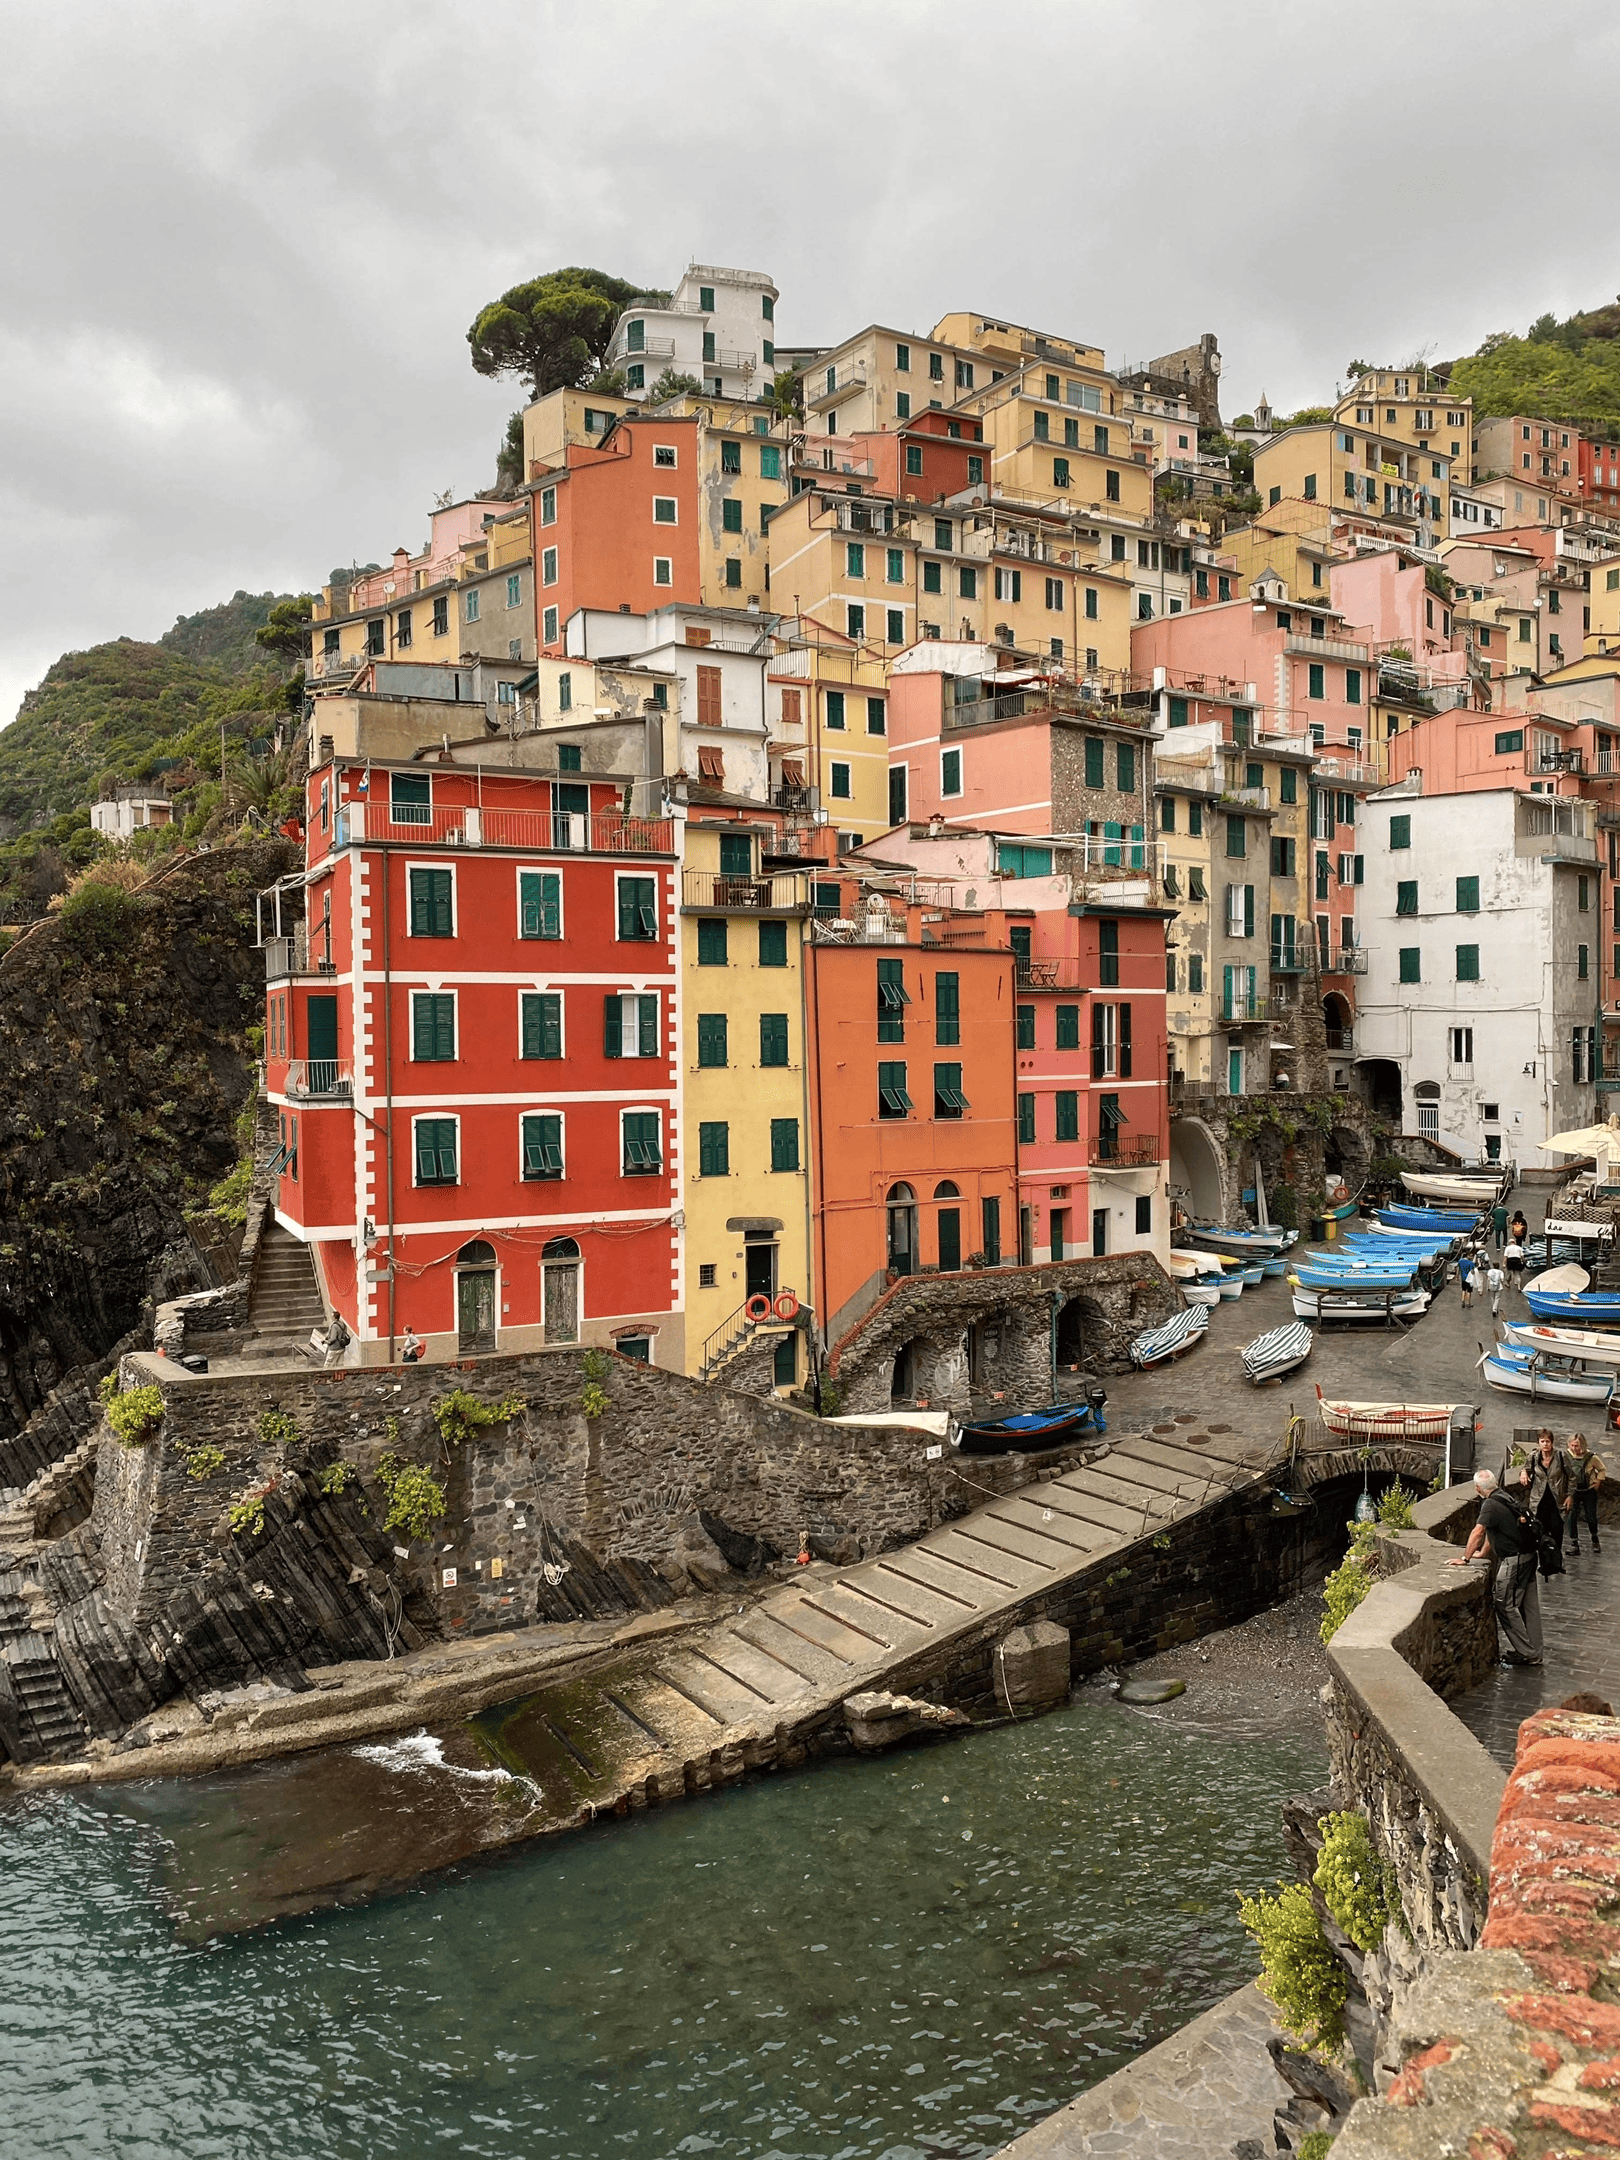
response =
{"points": [[912, 1956]]}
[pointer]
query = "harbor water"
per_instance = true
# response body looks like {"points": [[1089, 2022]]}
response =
{"points": [[913, 1956]]}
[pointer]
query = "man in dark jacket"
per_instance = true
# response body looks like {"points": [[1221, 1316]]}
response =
{"points": [[1507, 1529]]}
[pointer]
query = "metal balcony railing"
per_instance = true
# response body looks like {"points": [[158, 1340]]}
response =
{"points": [[1288, 960], [1346, 960], [319, 1079], [1242, 1011], [1341, 1038], [604, 832], [1108, 1148], [785, 894]]}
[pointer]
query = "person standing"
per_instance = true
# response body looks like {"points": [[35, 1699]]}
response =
{"points": [[1513, 1265], [1493, 1283], [1586, 1476], [1465, 1276], [1544, 1484], [1518, 1228], [1507, 1531], [1499, 1222]]}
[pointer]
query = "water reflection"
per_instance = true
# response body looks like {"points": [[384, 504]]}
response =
{"points": [[909, 1956]]}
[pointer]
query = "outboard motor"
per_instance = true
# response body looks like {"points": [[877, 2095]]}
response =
{"points": [[1096, 1396]]}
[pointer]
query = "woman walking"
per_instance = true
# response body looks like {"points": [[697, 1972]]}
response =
{"points": [[1586, 1476]]}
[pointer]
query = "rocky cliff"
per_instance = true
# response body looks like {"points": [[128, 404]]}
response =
{"points": [[124, 1065]]}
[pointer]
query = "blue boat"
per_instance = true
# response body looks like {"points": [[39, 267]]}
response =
{"points": [[1384, 1250], [1448, 1222], [1033, 1430], [1581, 1308], [1251, 1244], [1341, 1278], [1274, 1267]]}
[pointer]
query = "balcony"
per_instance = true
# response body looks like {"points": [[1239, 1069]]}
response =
{"points": [[1341, 1039], [287, 956], [847, 379], [1107, 1151], [1048, 974], [606, 832], [1288, 960], [1345, 960], [319, 1080], [1242, 1012], [1321, 648], [330, 667], [1249, 798], [650, 348], [711, 892]]}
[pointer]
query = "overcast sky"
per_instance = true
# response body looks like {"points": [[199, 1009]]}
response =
{"points": [[243, 246]]}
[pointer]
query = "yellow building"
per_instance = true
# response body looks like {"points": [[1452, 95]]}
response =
{"points": [[880, 378], [1292, 541], [468, 595], [744, 1112], [1400, 404], [1343, 466], [742, 481], [827, 708], [1603, 611], [565, 418]]}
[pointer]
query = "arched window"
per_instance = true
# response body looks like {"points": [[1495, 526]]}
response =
{"points": [[477, 1253], [560, 1248], [902, 1229], [945, 1190]]}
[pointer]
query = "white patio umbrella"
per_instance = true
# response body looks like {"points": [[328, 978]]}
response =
{"points": [[1600, 1141]]}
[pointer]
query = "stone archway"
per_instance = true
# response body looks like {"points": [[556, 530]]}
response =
{"points": [[1079, 1326], [1347, 1156], [1198, 1170], [1381, 1077]]}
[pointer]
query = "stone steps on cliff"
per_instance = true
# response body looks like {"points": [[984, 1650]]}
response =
{"points": [[48, 1723], [70, 1482], [285, 1299]]}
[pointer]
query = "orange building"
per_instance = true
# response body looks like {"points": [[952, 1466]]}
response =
{"points": [[913, 1122], [616, 525], [928, 459]]}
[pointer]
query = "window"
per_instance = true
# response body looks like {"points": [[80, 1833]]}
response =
{"points": [[1352, 686], [1282, 858], [855, 621], [1024, 1028], [1068, 1027], [1094, 761], [949, 1101], [1060, 472], [731, 518], [967, 582], [539, 904], [1066, 1108], [1582, 962], [410, 799], [975, 469], [1026, 1119], [711, 1039], [1110, 486], [1091, 603], [714, 1149], [1406, 897], [712, 941], [841, 789], [1400, 832], [854, 559], [1410, 968], [1288, 785], [1468, 896], [542, 1146], [548, 506], [432, 903], [1352, 871], [1236, 837], [772, 944], [548, 621], [433, 1026], [892, 1000], [663, 510], [548, 566], [1195, 974], [784, 1145], [402, 629], [1583, 894], [950, 772], [893, 1101], [1009, 584], [1125, 766], [540, 1023], [471, 609], [773, 1039], [642, 1153], [947, 1008], [1108, 955], [630, 1025], [433, 1143], [1167, 814], [376, 638], [1317, 680], [638, 912]]}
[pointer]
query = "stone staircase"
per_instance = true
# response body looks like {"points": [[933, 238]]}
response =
{"points": [[48, 1725], [56, 1500], [285, 1298]]}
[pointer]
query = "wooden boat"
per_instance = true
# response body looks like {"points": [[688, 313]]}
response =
{"points": [[1241, 1244], [1159, 1345], [1584, 1343], [1205, 1291], [1589, 1308], [1278, 1352], [1531, 1372], [1477, 1192], [1398, 1277], [1446, 1222], [1367, 1307], [1384, 1420], [1030, 1431], [1230, 1287]]}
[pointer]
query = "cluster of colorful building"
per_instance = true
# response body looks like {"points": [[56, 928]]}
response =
{"points": [[760, 858]]}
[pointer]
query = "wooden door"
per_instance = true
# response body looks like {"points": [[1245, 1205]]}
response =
{"points": [[562, 1301], [475, 1309]]}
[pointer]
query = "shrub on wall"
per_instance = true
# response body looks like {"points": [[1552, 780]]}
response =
{"points": [[1350, 1581], [415, 1496], [133, 1413], [1350, 1878], [1299, 1975], [460, 1415]]}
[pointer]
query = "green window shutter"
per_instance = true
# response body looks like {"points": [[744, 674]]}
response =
{"points": [[642, 1152], [770, 461], [1068, 1027], [636, 915], [711, 1038], [1352, 686], [436, 1151], [773, 944], [877, 717], [647, 1024], [1094, 761], [1248, 911], [931, 578], [731, 515], [835, 708], [1411, 964], [949, 1101], [430, 903], [434, 1027], [542, 1024], [539, 904], [542, 1147], [773, 1039], [1026, 1119], [730, 452], [1406, 897], [612, 1026], [1067, 1105], [1108, 954], [736, 855], [1125, 1042], [1318, 680], [1167, 814], [893, 1097], [1178, 712], [947, 1008], [1026, 1027], [1236, 837], [1322, 873], [784, 1143], [712, 941], [1468, 963], [891, 1001], [1125, 766], [1400, 831], [1288, 785], [1468, 896], [714, 1150], [895, 565]]}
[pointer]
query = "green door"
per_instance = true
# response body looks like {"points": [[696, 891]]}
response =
{"points": [[475, 1310], [570, 814], [950, 1239], [321, 1041]]}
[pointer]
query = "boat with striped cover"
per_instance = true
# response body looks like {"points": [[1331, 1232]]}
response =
{"points": [[1178, 1335], [1277, 1352], [1384, 1420]]}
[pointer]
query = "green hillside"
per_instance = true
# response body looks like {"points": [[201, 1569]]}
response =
{"points": [[1558, 371], [224, 634]]}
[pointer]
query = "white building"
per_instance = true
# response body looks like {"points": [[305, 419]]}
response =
{"points": [[1480, 917], [719, 328], [717, 658], [122, 816]]}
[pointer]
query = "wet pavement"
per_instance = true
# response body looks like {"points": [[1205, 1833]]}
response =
{"points": [[1580, 1627]]}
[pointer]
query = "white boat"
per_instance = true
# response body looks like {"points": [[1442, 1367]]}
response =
{"points": [[1404, 1305], [1203, 1292], [1178, 1335], [1589, 1344], [1229, 1287], [1529, 1372], [1247, 1244], [1569, 1280], [1475, 1192], [1279, 1352], [1384, 1420]]}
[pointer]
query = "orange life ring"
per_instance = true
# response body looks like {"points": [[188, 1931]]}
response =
{"points": [[1341, 1192], [786, 1306], [758, 1307]]}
